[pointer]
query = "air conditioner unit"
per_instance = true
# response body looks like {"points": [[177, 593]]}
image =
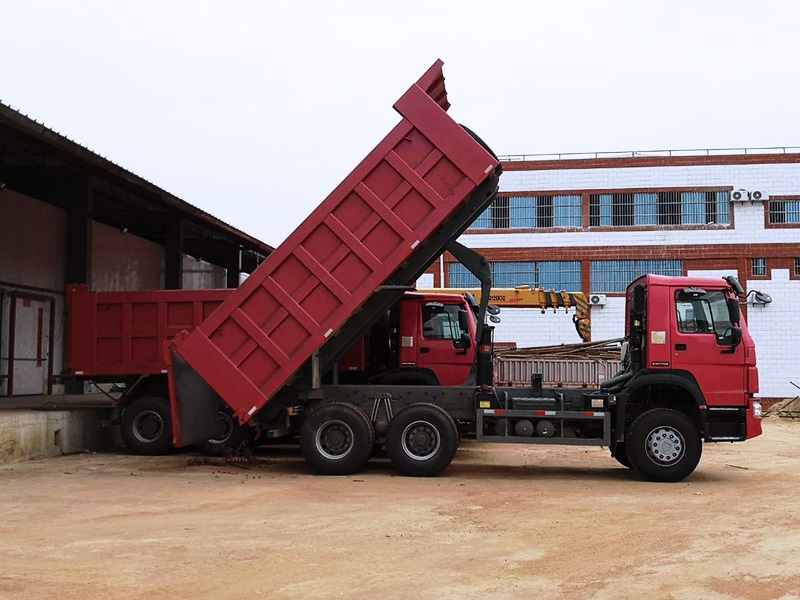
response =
{"points": [[740, 195], [597, 299], [758, 196]]}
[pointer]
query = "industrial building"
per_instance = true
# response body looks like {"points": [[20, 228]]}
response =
{"points": [[594, 223], [70, 217]]}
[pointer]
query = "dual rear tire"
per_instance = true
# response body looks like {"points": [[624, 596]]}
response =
{"points": [[338, 438]]}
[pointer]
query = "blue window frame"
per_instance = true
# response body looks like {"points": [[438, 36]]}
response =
{"points": [[784, 211], [557, 275], [626, 209], [613, 276], [526, 212]]}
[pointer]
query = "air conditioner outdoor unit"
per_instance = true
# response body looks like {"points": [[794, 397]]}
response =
{"points": [[740, 195], [758, 196], [597, 299]]}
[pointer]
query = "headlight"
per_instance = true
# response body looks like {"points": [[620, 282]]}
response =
{"points": [[757, 410]]}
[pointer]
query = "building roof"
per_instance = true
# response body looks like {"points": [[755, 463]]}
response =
{"points": [[30, 150]]}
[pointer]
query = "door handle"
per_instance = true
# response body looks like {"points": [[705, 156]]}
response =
{"points": [[424, 350], [680, 346]]}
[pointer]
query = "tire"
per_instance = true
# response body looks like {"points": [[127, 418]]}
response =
{"points": [[232, 438], [422, 440], [621, 456], [337, 439], [663, 445], [146, 426]]}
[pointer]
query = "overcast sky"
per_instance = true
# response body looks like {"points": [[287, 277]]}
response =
{"points": [[254, 111]]}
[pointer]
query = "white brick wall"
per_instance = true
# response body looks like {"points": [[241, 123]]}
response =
{"points": [[528, 327], [608, 322], [775, 330], [775, 327], [778, 179]]}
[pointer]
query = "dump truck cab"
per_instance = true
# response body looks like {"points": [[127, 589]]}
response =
{"points": [[688, 347]]}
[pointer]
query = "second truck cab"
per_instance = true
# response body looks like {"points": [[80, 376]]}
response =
{"points": [[426, 339]]}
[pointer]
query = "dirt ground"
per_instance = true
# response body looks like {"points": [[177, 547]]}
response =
{"points": [[502, 522]]}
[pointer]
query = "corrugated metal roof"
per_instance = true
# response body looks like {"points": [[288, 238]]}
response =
{"points": [[22, 123]]}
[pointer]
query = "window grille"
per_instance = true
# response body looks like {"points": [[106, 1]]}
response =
{"points": [[557, 275], [610, 276], [759, 267], [521, 212], [797, 266], [784, 211], [659, 208]]}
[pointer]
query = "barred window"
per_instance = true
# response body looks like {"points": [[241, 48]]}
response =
{"points": [[759, 268], [784, 211], [659, 208], [557, 275], [797, 266], [545, 211], [609, 276]]}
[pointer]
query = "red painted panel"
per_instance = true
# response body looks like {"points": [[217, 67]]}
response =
{"points": [[122, 333], [402, 192]]}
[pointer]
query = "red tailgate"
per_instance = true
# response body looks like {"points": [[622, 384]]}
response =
{"points": [[336, 259], [123, 333]]}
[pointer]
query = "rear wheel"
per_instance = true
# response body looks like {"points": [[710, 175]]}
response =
{"points": [[146, 426], [233, 437], [337, 439], [663, 445], [422, 440]]}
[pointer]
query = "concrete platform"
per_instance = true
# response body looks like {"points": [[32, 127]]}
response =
{"points": [[47, 426]]}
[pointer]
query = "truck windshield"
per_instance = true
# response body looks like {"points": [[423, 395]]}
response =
{"points": [[441, 323], [708, 314]]}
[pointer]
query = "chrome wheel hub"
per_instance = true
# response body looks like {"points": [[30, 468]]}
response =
{"points": [[665, 446]]}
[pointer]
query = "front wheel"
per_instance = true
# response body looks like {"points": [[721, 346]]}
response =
{"points": [[337, 439], [422, 440], [663, 445]]}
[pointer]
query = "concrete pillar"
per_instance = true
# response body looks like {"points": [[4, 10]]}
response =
{"points": [[173, 254]]}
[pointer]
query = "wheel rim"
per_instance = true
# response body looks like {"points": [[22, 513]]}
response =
{"points": [[148, 426], [227, 428], [421, 440], [665, 446], [334, 440]]}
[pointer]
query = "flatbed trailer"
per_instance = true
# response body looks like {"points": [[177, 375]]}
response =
{"points": [[267, 348]]}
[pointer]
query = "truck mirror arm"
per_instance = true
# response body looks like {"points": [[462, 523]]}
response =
{"points": [[478, 266]]}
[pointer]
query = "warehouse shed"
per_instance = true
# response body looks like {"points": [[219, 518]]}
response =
{"points": [[69, 216]]}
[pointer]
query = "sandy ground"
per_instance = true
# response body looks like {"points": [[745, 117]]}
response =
{"points": [[502, 522]]}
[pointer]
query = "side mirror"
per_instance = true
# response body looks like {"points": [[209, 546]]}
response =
{"points": [[734, 313], [463, 320]]}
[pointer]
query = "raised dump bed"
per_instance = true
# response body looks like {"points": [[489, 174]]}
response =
{"points": [[421, 186]]}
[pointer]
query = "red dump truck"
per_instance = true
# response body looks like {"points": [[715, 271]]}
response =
{"points": [[273, 351], [266, 351], [118, 337]]}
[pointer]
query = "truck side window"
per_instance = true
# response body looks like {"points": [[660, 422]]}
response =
{"points": [[708, 314], [441, 324]]}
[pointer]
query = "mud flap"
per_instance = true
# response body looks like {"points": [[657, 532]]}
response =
{"points": [[194, 404]]}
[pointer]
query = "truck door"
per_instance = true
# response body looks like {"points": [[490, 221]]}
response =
{"points": [[443, 347], [701, 344]]}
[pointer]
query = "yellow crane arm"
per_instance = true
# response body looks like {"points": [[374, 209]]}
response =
{"points": [[526, 297]]}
